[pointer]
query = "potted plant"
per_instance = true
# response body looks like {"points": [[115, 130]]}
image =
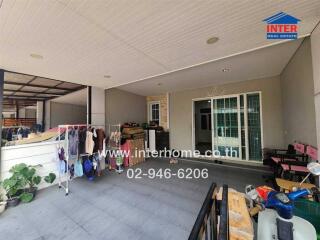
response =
{"points": [[31, 179], [13, 187]]}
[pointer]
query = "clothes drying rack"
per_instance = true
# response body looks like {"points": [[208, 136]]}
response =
{"points": [[64, 183]]}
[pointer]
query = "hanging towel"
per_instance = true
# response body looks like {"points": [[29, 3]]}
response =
{"points": [[89, 143], [73, 142], [78, 170], [63, 166], [104, 153]]}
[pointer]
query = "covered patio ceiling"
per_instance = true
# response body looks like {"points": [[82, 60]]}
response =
{"points": [[112, 43]]}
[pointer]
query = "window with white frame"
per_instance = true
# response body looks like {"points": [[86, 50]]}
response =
{"points": [[154, 112]]}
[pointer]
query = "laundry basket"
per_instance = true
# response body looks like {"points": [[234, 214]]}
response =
{"points": [[310, 211]]}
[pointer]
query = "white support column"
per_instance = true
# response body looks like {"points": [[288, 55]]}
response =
{"points": [[98, 109], [39, 112]]}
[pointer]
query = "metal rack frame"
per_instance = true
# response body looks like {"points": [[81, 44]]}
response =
{"points": [[66, 138]]}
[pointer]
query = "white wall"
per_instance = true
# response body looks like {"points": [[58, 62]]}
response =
{"points": [[32, 154], [297, 97]]}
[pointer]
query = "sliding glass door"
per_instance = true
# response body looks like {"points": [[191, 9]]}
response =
{"points": [[226, 127], [230, 125], [254, 126]]}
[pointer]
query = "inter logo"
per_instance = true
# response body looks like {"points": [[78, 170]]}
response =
{"points": [[282, 26]]}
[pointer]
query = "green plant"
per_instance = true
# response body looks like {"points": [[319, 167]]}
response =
{"points": [[27, 173], [12, 185], [24, 175], [50, 178]]}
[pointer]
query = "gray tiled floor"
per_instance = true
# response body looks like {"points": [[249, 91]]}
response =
{"points": [[115, 207]]}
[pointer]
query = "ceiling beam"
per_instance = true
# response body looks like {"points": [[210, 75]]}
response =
{"points": [[39, 86], [20, 104], [9, 97], [25, 91]]}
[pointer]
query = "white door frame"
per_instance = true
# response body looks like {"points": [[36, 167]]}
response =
{"points": [[239, 123]]}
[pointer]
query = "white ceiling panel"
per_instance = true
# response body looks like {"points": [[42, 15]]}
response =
{"points": [[258, 64], [131, 40]]}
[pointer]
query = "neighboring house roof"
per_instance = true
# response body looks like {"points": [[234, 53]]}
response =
{"points": [[281, 18]]}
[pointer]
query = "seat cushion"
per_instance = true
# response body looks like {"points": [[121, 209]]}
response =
{"points": [[295, 168], [277, 159]]}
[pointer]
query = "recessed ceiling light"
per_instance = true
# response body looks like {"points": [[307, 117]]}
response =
{"points": [[225, 70], [212, 40], [37, 56], [107, 76]]}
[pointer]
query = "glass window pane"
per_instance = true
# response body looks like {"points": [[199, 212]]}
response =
{"points": [[254, 126]]}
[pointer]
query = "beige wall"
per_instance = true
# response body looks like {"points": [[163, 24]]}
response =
{"points": [[315, 51], [297, 97], [181, 110], [122, 106], [63, 113], [163, 99]]}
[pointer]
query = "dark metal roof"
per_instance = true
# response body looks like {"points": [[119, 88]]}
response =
{"points": [[26, 90]]}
